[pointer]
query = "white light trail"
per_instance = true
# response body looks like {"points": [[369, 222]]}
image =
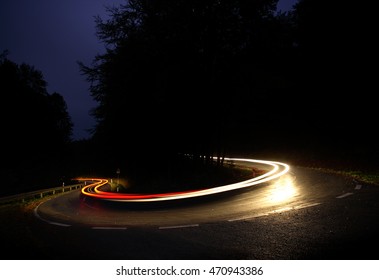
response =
{"points": [[277, 169]]}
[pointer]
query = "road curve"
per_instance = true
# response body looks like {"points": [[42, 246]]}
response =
{"points": [[296, 189]]}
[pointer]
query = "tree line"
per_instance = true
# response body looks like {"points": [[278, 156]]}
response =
{"points": [[206, 78], [214, 77], [183, 76], [36, 127]]}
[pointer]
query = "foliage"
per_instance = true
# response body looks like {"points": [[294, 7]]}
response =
{"points": [[178, 76], [36, 127]]}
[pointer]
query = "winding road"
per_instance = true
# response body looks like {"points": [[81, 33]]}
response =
{"points": [[300, 214]]}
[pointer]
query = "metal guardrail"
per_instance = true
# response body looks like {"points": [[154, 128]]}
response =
{"points": [[23, 197]]}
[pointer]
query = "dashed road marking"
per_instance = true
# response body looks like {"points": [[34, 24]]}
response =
{"points": [[59, 224], [248, 217], [307, 205], [179, 226], [280, 210], [106, 228], [358, 187], [345, 195]]}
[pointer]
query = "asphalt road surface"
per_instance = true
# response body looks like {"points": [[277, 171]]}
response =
{"points": [[304, 214]]}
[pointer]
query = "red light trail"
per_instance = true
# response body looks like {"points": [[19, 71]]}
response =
{"points": [[94, 189]]}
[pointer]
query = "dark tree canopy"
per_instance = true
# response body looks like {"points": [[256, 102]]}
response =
{"points": [[36, 127], [179, 76], [209, 77], [335, 77], [30, 113]]}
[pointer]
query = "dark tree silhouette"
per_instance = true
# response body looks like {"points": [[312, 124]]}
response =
{"points": [[183, 76], [334, 40], [36, 127]]}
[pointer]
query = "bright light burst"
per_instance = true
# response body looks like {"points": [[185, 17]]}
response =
{"points": [[283, 190], [276, 170]]}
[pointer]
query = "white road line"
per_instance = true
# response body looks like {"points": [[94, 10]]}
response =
{"points": [[248, 217], [47, 221], [344, 195], [280, 210], [358, 187], [58, 224], [123, 228], [180, 226], [307, 205]]}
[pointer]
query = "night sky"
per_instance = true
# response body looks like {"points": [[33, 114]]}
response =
{"points": [[52, 36]]}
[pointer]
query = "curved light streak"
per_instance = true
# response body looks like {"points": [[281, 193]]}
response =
{"points": [[94, 189]]}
